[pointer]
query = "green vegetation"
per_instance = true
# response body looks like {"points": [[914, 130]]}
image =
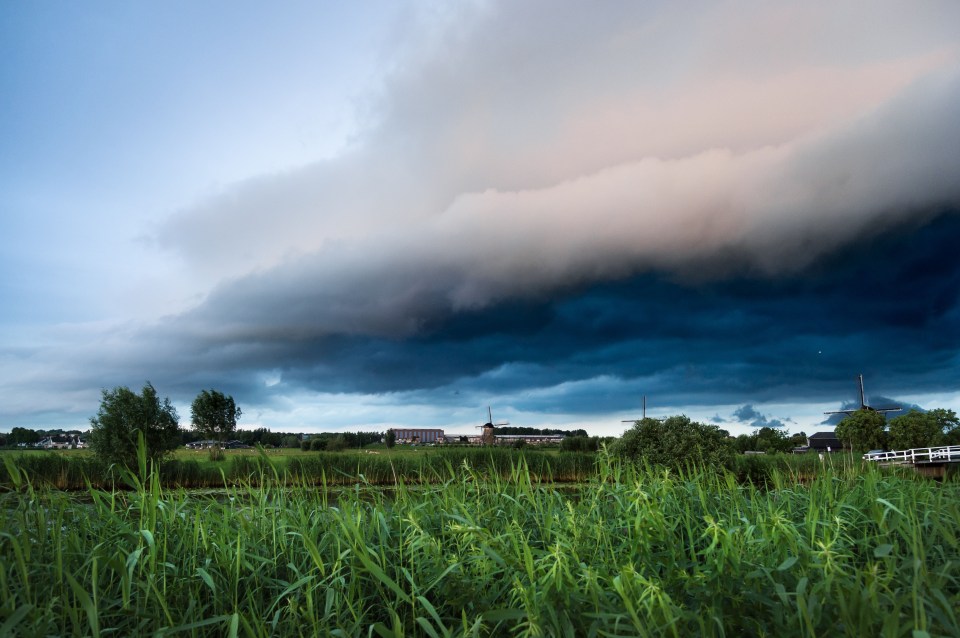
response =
{"points": [[676, 442], [633, 551], [769, 440], [924, 429], [863, 430], [125, 418], [194, 469], [214, 415]]}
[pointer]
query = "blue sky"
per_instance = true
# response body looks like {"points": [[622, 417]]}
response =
{"points": [[367, 215]]}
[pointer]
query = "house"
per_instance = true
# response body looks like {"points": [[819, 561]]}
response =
{"points": [[824, 442], [61, 442], [203, 445]]}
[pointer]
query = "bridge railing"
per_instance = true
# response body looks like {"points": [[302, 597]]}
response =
{"points": [[941, 454]]}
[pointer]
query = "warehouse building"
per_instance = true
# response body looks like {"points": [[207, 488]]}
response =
{"points": [[407, 435]]}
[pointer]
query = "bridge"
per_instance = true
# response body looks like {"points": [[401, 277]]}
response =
{"points": [[932, 461]]}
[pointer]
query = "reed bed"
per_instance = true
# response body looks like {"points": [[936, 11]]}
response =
{"points": [[326, 468], [633, 551]]}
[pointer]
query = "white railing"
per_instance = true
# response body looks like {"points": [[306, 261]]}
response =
{"points": [[943, 454]]}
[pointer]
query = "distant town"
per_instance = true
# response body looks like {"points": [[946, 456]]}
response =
{"points": [[762, 440]]}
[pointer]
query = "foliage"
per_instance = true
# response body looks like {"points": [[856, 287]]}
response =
{"points": [[318, 444], [765, 439], [949, 425], [580, 443], [290, 440], [863, 430], [214, 415], [634, 551], [22, 435], [336, 443], [391, 438], [75, 470], [125, 415], [915, 429], [676, 442]]}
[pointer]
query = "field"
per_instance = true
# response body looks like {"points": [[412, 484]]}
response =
{"points": [[631, 551]]}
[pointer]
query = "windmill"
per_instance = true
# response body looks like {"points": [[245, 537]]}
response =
{"points": [[487, 437], [863, 404]]}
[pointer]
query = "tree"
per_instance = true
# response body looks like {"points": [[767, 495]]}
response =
{"points": [[676, 442], [949, 425], [214, 414], [391, 438], [915, 429], [123, 416], [773, 440], [862, 430], [23, 435]]}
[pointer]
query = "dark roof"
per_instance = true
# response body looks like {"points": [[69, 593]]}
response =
{"points": [[817, 436]]}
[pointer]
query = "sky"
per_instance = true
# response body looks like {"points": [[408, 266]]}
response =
{"points": [[356, 216]]}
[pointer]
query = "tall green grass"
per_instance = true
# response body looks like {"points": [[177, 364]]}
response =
{"points": [[634, 551], [77, 472]]}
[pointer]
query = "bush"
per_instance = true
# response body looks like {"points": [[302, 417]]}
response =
{"points": [[336, 444], [676, 442]]}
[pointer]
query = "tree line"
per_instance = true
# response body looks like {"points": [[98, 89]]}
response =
{"points": [[869, 430]]}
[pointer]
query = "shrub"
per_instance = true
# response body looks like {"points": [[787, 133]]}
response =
{"points": [[676, 442]]}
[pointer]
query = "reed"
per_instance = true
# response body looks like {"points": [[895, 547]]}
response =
{"points": [[484, 551], [75, 472]]}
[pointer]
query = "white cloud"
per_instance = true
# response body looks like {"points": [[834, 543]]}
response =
{"points": [[538, 148]]}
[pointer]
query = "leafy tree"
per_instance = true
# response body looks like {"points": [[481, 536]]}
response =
{"points": [[765, 439], [214, 414], [773, 440], [799, 439], [23, 435], [862, 430], [915, 429], [124, 415], [391, 438], [949, 425], [676, 442]]}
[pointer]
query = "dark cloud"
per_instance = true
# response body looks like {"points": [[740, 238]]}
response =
{"points": [[887, 307], [747, 413], [750, 415]]}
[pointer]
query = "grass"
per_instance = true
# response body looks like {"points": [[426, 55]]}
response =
{"points": [[77, 470], [633, 551]]}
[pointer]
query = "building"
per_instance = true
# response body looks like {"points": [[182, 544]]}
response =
{"points": [[824, 442], [409, 435], [531, 439]]}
